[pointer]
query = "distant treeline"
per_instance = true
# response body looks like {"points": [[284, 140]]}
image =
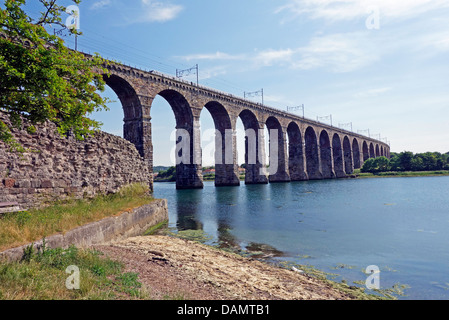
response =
{"points": [[168, 175], [407, 161]]}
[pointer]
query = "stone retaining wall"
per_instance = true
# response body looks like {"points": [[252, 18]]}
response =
{"points": [[128, 224], [56, 168]]}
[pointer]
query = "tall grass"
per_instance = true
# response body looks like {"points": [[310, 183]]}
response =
{"points": [[24, 227], [42, 276]]}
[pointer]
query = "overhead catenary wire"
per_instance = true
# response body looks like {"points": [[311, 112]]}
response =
{"points": [[119, 51]]}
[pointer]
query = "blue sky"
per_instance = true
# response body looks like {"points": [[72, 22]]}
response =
{"points": [[380, 65]]}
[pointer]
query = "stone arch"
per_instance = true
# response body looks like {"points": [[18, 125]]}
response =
{"points": [[326, 155], [365, 151], [348, 156], [254, 148], [132, 110], [371, 150], [377, 151], [312, 154], [338, 157], [356, 154], [180, 106], [276, 150], [295, 153], [226, 167], [188, 141]]}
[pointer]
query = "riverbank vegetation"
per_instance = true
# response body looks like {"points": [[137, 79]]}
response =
{"points": [[408, 164], [42, 276], [168, 174], [25, 227]]}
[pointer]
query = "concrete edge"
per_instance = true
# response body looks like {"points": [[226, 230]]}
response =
{"points": [[111, 229]]}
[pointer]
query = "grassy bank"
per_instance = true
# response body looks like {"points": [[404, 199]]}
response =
{"points": [[42, 276], [24, 227], [402, 174]]}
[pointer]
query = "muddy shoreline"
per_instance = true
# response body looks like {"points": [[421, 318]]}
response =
{"points": [[173, 268]]}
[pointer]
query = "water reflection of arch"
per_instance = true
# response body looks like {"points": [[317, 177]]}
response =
{"points": [[253, 148], [226, 201], [187, 209], [226, 167]]}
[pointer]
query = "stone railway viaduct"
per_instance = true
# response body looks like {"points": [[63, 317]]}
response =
{"points": [[313, 150]]}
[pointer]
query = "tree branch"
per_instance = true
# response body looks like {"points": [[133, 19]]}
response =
{"points": [[49, 8]]}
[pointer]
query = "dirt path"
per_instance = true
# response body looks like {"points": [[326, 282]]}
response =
{"points": [[176, 268]]}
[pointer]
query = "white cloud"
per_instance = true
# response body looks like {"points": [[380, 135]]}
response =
{"points": [[334, 10], [270, 57], [100, 4], [372, 92], [212, 72], [213, 56], [438, 41], [154, 11], [337, 52], [278, 99]]}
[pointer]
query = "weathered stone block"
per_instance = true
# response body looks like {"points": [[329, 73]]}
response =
{"points": [[9, 183], [47, 184]]}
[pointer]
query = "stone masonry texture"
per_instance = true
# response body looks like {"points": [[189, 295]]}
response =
{"points": [[57, 168]]}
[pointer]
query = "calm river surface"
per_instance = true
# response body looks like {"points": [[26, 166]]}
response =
{"points": [[341, 226]]}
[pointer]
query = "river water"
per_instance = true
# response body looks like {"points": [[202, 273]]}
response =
{"points": [[340, 226]]}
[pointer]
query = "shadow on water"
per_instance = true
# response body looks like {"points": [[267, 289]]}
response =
{"points": [[187, 207], [226, 206]]}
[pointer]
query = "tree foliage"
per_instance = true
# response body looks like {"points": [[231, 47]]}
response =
{"points": [[167, 175], [42, 80], [407, 161]]}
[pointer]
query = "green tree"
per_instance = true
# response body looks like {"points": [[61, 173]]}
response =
{"points": [[374, 165], [417, 164], [405, 160], [395, 163], [382, 164], [42, 80], [368, 166], [167, 175]]}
